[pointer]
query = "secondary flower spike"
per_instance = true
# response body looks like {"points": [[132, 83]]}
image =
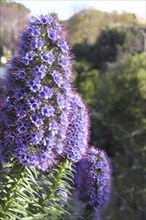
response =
{"points": [[78, 130], [93, 178], [36, 113]]}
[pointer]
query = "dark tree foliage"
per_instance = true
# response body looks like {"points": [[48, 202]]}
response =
{"points": [[12, 18], [112, 43], [110, 75], [86, 25], [118, 125]]}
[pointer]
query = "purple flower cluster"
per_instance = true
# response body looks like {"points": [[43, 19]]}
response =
{"points": [[78, 130], [42, 119], [93, 178], [37, 108]]}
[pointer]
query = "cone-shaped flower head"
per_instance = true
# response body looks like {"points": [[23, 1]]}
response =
{"points": [[78, 130], [35, 114], [93, 178]]}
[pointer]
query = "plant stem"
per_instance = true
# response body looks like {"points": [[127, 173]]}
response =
{"points": [[91, 213], [56, 180], [88, 213], [14, 186]]}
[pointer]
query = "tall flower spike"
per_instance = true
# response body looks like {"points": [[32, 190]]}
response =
{"points": [[93, 178], [35, 115], [78, 130]]}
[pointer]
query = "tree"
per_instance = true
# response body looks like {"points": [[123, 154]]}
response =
{"points": [[113, 43], [11, 24], [86, 25], [118, 125], [85, 79]]}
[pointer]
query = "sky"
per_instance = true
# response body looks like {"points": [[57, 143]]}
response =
{"points": [[67, 8]]}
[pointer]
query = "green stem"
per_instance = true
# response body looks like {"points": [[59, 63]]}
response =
{"points": [[56, 180], [88, 213], [13, 189], [1, 165]]}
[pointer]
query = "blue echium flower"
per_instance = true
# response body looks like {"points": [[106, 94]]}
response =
{"points": [[38, 95], [93, 178], [78, 129]]}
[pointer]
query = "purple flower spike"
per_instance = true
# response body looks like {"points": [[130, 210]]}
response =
{"points": [[21, 110], [35, 115], [78, 130], [93, 178]]}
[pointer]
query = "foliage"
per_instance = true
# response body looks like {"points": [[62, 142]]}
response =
{"points": [[119, 111], [29, 194], [110, 75], [120, 101], [86, 26], [11, 24], [113, 43], [118, 125], [85, 80]]}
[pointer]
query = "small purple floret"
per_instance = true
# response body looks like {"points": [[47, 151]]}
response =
{"points": [[63, 45], [57, 78], [47, 57], [48, 110], [37, 119], [39, 71], [45, 19], [34, 85], [36, 138], [28, 57], [53, 34], [37, 43], [19, 93], [34, 103], [46, 93], [21, 74]]}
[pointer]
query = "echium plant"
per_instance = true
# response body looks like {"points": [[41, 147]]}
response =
{"points": [[44, 131], [38, 95]]}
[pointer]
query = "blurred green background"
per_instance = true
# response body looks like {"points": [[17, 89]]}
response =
{"points": [[109, 50]]}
